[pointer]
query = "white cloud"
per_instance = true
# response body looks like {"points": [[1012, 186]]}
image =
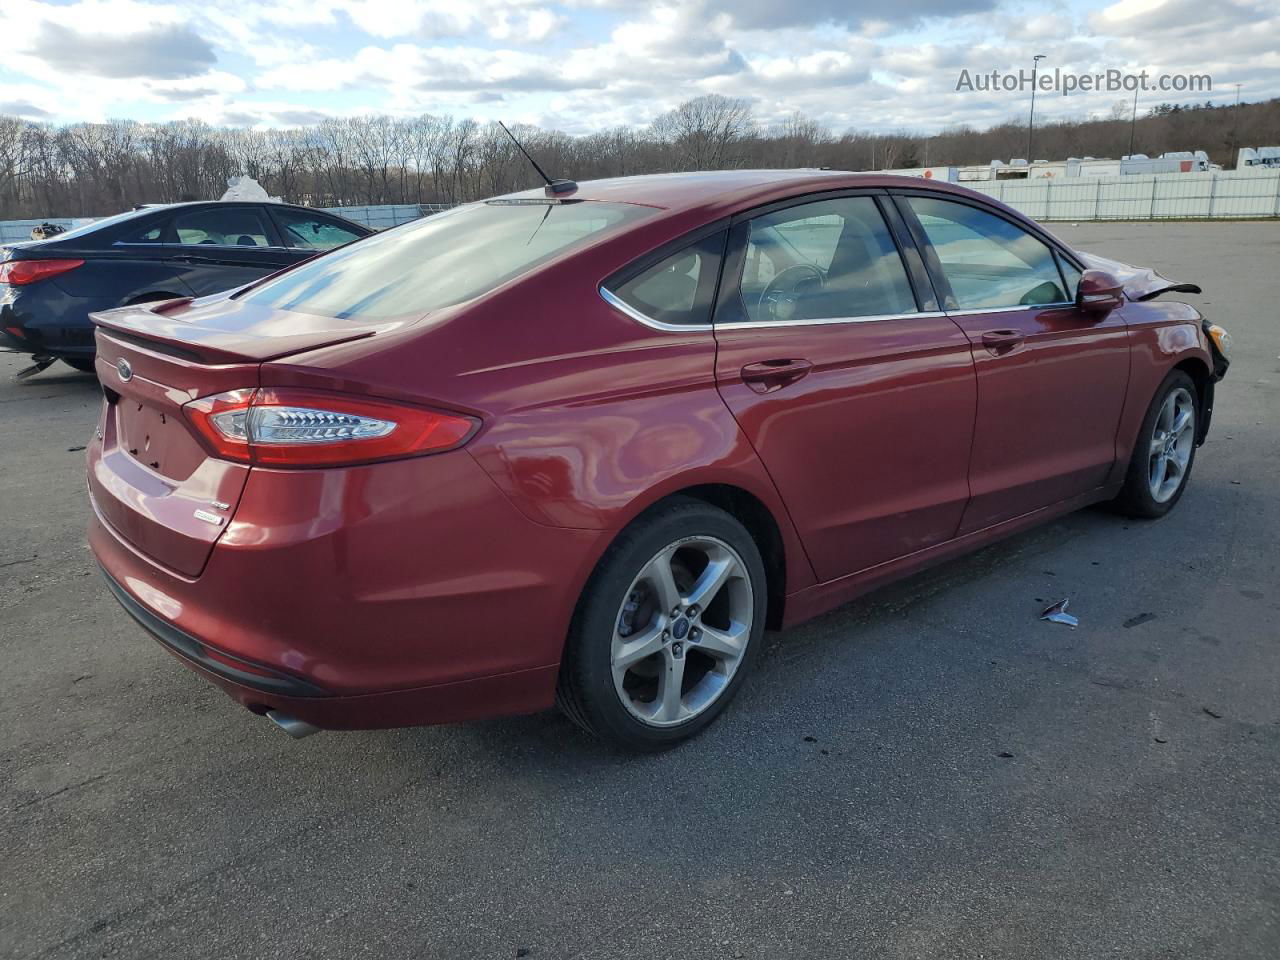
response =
{"points": [[583, 65]]}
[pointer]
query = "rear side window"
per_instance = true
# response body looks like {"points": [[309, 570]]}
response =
{"points": [[229, 227], [679, 289], [988, 261], [441, 260], [309, 232]]}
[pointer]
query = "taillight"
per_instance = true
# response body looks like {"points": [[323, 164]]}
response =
{"points": [[18, 273], [304, 428]]}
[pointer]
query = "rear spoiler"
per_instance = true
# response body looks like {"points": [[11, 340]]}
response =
{"points": [[1140, 283], [234, 334]]}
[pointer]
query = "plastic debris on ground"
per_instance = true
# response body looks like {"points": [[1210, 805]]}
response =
{"points": [[1058, 614]]}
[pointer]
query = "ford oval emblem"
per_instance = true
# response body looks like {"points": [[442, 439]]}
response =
{"points": [[125, 371]]}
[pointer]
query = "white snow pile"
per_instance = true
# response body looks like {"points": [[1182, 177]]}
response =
{"points": [[247, 188]]}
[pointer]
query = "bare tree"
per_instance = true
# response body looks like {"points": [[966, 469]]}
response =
{"points": [[91, 169], [705, 132]]}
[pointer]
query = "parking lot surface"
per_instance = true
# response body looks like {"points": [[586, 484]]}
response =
{"points": [[930, 772]]}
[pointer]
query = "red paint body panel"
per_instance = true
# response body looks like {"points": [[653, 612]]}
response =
{"points": [[870, 449], [822, 597], [1163, 334], [442, 587], [1048, 409], [376, 578], [147, 468]]}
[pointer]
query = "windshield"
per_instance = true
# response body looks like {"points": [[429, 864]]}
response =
{"points": [[440, 260]]}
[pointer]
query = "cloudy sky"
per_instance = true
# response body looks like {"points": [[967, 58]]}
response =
{"points": [[588, 64]]}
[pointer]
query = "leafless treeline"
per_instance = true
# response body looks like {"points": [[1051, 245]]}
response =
{"points": [[89, 169]]}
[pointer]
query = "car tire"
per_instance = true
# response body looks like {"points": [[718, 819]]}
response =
{"points": [[700, 657], [1155, 455], [83, 364]]}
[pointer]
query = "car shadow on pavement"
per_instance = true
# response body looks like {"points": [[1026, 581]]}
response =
{"points": [[71, 378]]}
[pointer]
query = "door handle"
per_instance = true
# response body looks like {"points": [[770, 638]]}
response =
{"points": [[1000, 342], [770, 375]]}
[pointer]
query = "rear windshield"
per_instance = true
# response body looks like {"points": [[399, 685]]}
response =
{"points": [[103, 222], [441, 260]]}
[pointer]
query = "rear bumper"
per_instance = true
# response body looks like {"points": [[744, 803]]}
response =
{"points": [[215, 664], [372, 610], [259, 689], [51, 322], [522, 692]]}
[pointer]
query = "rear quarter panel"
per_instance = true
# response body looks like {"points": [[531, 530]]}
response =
{"points": [[113, 281]]}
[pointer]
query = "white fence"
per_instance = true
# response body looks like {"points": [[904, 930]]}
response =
{"points": [[1226, 194], [388, 215]]}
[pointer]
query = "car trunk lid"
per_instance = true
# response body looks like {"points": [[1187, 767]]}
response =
{"points": [[150, 477]]}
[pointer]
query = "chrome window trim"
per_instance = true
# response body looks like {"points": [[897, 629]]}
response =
{"points": [[826, 321], [216, 246], [617, 303], [970, 311], [648, 321]]}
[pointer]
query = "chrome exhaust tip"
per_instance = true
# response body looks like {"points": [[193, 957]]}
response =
{"points": [[291, 725]]}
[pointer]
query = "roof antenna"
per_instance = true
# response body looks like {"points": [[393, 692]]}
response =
{"points": [[554, 187]]}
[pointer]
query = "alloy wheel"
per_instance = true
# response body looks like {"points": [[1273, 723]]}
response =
{"points": [[1172, 441], [682, 631]]}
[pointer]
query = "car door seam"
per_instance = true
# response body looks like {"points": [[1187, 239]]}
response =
{"points": [[715, 379]]}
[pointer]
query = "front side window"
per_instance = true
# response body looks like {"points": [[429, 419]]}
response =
{"points": [[679, 289], [441, 260], [308, 232], [988, 261], [830, 259], [1071, 275], [229, 227]]}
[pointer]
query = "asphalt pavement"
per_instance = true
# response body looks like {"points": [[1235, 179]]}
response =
{"points": [[930, 772]]}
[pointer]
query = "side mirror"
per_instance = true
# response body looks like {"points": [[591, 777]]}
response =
{"points": [[1099, 292]]}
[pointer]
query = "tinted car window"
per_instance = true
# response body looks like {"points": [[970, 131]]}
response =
{"points": [[153, 234], [441, 260], [678, 289], [230, 226], [309, 232], [987, 260], [824, 260]]}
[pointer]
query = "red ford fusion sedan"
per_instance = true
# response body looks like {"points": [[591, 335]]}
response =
{"points": [[583, 445]]}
